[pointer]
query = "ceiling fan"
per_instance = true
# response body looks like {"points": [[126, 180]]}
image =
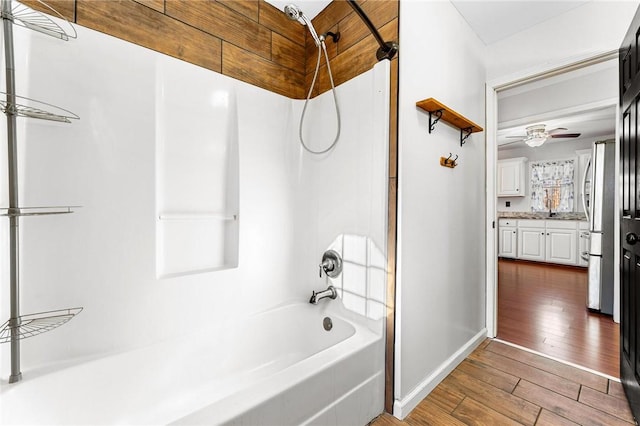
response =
{"points": [[537, 135]]}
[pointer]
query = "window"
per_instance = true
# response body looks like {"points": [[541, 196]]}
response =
{"points": [[552, 185]]}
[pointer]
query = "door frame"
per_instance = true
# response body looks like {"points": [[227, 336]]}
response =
{"points": [[492, 88]]}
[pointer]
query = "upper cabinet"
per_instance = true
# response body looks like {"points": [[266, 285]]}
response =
{"points": [[511, 177]]}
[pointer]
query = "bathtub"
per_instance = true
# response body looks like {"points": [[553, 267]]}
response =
{"points": [[278, 367]]}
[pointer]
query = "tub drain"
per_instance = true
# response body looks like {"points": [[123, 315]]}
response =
{"points": [[327, 323]]}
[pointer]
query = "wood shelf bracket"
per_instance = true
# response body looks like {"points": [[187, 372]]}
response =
{"points": [[432, 122], [464, 134], [438, 111]]}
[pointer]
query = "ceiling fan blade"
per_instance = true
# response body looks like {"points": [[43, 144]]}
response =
{"points": [[509, 143], [554, 131], [566, 135], [519, 137]]}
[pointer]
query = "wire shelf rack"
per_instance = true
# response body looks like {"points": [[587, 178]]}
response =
{"points": [[34, 324], [36, 211], [35, 109], [18, 326], [28, 18]]}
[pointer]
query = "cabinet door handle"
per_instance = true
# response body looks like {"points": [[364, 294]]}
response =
{"points": [[542, 233], [514, 232], [547, 233]]}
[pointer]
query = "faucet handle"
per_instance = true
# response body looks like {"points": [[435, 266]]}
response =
{"points": [[331, 264], [328, 265]]}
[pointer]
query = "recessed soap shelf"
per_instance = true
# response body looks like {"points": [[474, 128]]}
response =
{"points": [[32, 108], [28, 18]]}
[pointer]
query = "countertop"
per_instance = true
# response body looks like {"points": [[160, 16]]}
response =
{"points": [[545, 216]]}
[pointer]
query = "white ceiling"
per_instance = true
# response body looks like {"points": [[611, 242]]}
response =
{"points": [[309, 7], [493, 21]]}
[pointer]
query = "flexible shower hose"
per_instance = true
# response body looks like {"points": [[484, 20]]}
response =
{"points": [[321, 47]]}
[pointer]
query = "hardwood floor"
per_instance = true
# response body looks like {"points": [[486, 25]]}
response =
{"points": [[499, 384], [542, 307]]}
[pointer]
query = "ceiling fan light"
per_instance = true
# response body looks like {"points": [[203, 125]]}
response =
{"points": [[536, 141]]}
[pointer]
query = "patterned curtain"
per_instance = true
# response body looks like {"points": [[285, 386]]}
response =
{"points": [[552, 186]]}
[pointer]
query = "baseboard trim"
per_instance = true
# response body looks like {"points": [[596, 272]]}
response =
{"points": [[402, 408]]}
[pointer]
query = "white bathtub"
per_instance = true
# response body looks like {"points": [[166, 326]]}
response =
{"points": [[279, 367]]}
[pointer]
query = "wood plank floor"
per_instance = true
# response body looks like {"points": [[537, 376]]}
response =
{"points": [[499, 384], [542, 307]]}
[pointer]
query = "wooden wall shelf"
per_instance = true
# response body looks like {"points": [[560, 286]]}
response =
{"points": [[441, 111]]}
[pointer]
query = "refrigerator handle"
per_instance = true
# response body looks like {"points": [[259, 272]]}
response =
{"points": [[584, 190]]}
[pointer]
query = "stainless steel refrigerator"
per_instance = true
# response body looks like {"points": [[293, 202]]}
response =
{"points": [[598, 190]]}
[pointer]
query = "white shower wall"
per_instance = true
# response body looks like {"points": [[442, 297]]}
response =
{"points": [[341, 196], [291, 205]]}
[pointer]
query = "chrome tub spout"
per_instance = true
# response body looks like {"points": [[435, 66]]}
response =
{"points": [[330, 292]]}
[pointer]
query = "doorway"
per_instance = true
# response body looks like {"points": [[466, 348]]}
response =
{"points": [[537, 302]]}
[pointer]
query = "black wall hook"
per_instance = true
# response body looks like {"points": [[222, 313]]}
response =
{"points": [[334, 36]]}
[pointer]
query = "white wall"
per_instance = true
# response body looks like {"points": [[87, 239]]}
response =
{"points": [[103, 256], [595, 27], [560, 96], [440, 285]]}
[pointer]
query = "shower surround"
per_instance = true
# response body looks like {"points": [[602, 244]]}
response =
{"points": [[140, 284]]}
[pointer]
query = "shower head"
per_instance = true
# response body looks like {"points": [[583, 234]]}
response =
{"points": [[294, 13]]}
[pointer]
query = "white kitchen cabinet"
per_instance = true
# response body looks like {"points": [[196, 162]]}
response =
{"points": [[531, 244], [553, 241], [508, 240], [561, 242], [511, 177]]}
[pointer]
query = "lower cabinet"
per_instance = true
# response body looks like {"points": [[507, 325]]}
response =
{"points": [[553, 241], [531, 244], [508, 239], [561, 245]]}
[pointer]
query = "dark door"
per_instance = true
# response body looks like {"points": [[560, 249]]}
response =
{"points": [[630, 223]]}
